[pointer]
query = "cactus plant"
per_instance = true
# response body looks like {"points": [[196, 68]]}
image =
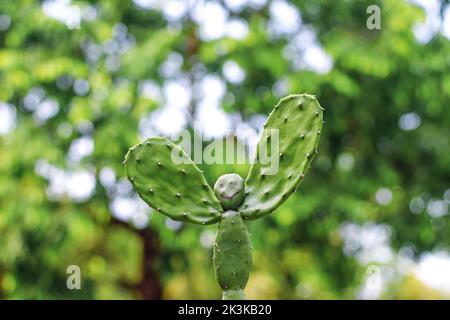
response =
{"points": [[180, 191]]}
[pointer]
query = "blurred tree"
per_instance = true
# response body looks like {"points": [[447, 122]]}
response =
{"points": [[82, 81]]}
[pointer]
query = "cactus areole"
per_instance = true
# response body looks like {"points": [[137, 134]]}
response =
{"points": [[180, 191]]}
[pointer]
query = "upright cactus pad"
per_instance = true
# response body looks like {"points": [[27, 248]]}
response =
{"points": [[179, 191], [229, 188], [232, 255], [298, 119]]}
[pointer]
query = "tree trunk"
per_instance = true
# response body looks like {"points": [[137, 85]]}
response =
{"points": [[150, 287]]}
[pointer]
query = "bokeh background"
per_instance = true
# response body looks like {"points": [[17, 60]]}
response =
{"points": [[82, 81]]}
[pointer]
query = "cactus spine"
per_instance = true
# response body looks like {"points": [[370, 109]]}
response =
{"points": [[180, 191]]}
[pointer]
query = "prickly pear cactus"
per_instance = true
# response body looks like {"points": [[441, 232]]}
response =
{"points": [[229, 188], [298, 119], [180, 191], [232, 255]]}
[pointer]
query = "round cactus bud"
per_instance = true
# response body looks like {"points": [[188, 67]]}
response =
{"points": [[229, 188]]}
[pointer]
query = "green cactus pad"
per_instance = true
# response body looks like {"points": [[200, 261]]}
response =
{"points": [[299, 120], [229, 189], [179, 191], [232, 255]]}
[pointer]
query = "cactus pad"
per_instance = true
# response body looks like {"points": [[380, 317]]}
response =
{"points": [[299, 120], [179, 191], [232, 255], [229, 188]]}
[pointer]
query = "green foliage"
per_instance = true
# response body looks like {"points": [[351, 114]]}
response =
{"points": [[377, 77]]}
